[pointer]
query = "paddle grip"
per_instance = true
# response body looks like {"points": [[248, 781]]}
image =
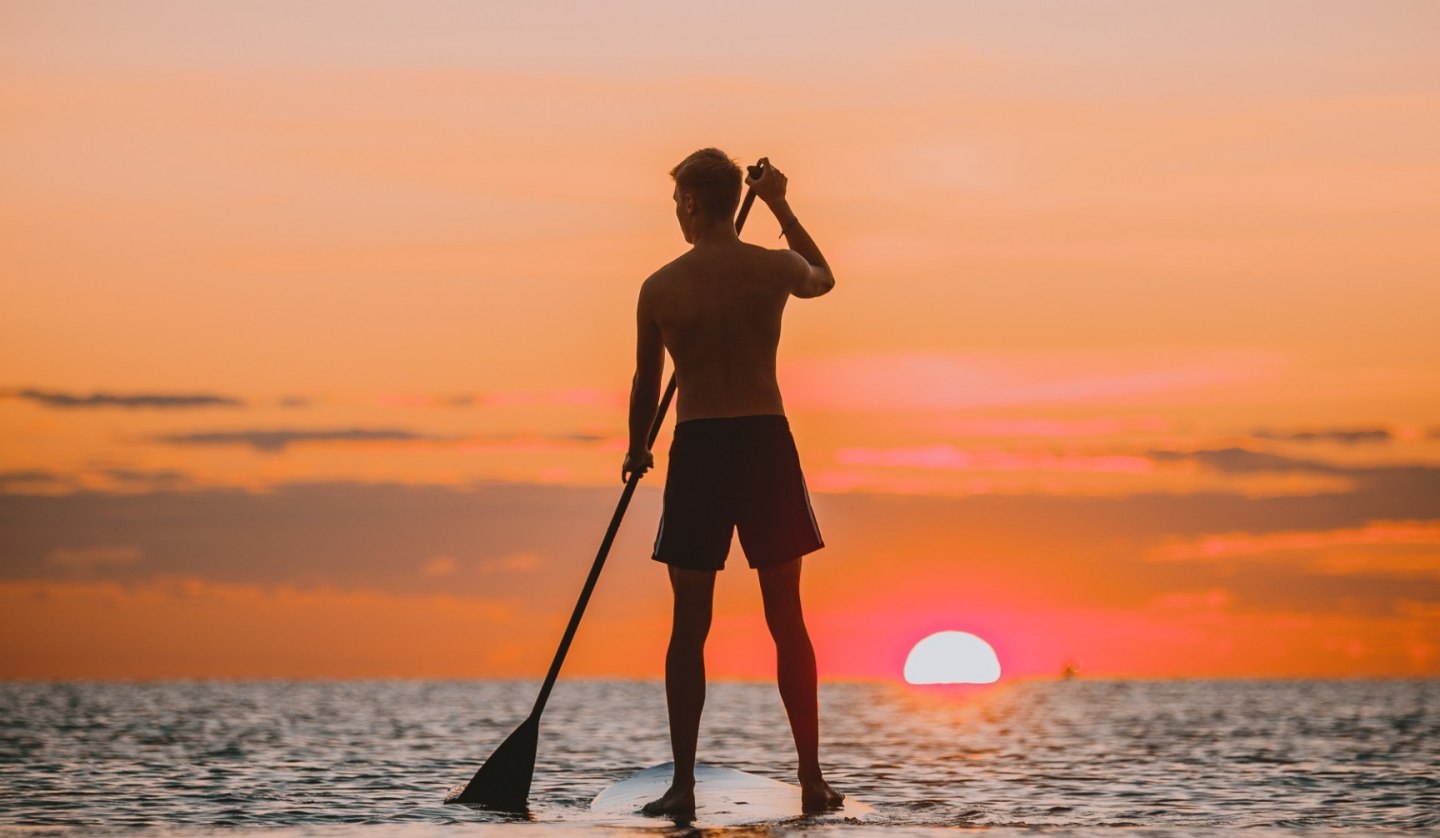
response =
{"points": [[756, 172]]}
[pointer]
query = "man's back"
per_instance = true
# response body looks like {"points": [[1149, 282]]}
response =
{"points": [[734, 467], [718, 309]]}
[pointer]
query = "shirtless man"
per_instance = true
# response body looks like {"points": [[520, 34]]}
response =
{"points": [[733, 462]]}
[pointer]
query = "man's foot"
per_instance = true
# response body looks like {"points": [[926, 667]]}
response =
{"points": [[817, 796], [678, 802]]}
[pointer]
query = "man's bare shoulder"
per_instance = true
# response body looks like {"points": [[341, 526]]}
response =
{"points": [[660, 287], [781, 264], [790, 261], [662, 276], [767, 252]]}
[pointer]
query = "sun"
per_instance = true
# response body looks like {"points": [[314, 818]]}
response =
{"points": [[952, 657]]}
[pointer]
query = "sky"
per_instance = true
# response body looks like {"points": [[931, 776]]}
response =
{"points": [[317, 331]]}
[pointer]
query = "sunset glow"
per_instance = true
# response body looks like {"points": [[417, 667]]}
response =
{"points": [[317, 329]]}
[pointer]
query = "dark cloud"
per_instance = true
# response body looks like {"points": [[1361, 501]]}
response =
{"points": [[13, 479], [1291, 586], [274, 441], [28, 474], [1243, 461], [149, 477], [144, 474], [341, 535], [1378, 491], [277, 440], [131, 401], [120, 478], [1414, 489], [293, 402], [1042, 550], [1344, 436]]}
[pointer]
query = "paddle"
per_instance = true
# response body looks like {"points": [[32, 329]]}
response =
{"points": [[503, 782]]}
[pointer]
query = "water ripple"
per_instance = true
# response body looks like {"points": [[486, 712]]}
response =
{"points": [[315, 756]]}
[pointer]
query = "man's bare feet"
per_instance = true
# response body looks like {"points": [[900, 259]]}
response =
{"points": [[677, 802], [817, 796]]}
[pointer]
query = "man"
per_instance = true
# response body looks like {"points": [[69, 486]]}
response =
{"points": [[733, 463]]}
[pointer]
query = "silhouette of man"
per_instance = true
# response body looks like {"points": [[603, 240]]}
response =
{"points": [[733, 462]]}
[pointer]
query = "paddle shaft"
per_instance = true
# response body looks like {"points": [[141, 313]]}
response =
{"points": [[756, 171], [600, 559]]}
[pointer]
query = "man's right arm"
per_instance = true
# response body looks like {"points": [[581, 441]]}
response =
{"points": [[812, 276], [645, 387]]}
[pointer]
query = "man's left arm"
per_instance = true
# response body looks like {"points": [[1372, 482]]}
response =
{"points": [[644, 389]]}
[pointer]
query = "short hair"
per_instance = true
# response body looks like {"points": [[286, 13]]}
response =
{"points": [[713, 178]]}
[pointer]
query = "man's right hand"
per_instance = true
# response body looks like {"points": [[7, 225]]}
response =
{"points": [[636, 462]]}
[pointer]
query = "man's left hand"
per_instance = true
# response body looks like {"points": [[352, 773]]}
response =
{"points": [[638, 462]]}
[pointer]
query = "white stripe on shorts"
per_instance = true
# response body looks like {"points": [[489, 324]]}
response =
{"points": [[808, 508]]}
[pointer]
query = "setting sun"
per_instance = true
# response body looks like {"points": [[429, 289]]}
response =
{"points": [[952, 657]]}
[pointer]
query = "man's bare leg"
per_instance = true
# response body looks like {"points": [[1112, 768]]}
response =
{"points": [[795, 665], [685, 684]]}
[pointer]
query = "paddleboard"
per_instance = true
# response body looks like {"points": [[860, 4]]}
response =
{"points": [[723, 797]]}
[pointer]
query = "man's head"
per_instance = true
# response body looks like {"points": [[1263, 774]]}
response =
{"points": [[707, 188]]}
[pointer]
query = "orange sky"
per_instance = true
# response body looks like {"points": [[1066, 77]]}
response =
{"points": [[316, 331]]}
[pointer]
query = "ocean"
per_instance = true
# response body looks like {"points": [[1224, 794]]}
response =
{"points": [[1062, 757]]}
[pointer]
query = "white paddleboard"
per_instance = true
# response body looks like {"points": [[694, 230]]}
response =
{"points": [[723, 797]]}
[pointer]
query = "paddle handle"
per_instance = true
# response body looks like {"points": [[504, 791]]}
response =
{"points": [[756, 172]]}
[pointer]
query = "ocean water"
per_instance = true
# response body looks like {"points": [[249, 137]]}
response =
{"points": [[1171, 757]]}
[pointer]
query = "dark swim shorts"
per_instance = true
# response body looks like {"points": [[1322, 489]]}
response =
{"points": [[729, 473]]}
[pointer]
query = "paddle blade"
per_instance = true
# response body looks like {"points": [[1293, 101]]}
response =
{"points": [[503, 782]]}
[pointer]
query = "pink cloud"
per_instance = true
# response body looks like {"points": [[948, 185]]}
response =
{"points": [[1212, 599], [1031, 426], [947, 381], [572, 396], [536, 444], [943, 456], [1226, 545], [852, 480], [581, 396]]}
